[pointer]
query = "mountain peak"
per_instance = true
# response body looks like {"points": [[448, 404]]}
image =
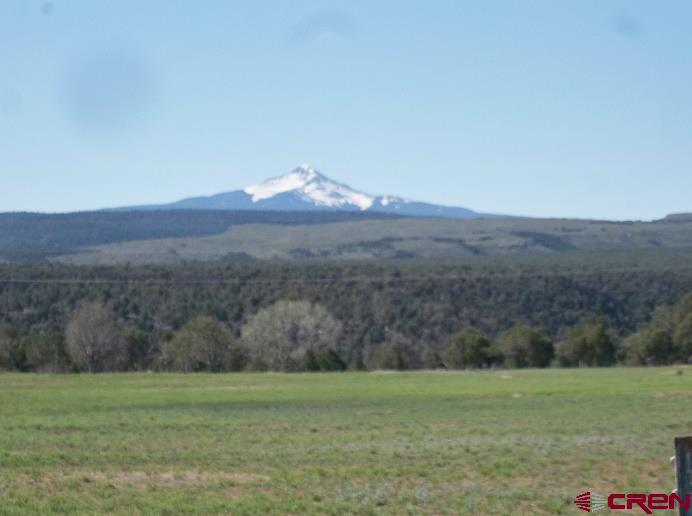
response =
{"points": [[308, 172], [308, 184]]}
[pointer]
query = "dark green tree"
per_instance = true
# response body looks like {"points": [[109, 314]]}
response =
{"points": [[311, 362], [431, 359], [12, 352], [658, 347], [139, 350], [469, 348], [587, 344], [329, 360], [45, 351], [203, 344], [682, 339], [524, 346]]}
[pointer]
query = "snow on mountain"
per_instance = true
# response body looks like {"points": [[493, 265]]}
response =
{"points": [[305, 189], [313, 187]]}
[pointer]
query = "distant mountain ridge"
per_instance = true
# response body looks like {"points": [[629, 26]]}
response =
{"points": [[678, 217], [305, 189]]}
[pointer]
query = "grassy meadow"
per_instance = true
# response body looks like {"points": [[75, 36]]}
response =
{"points": [[504, 442]]}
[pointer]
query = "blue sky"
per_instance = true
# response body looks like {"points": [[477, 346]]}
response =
{"points": [[546, 108]]}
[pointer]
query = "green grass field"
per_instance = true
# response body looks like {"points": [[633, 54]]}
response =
{"points": [[505, 442]]}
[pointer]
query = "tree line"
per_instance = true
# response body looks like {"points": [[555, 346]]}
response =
{"points": [[424, 302], [292, 335]]}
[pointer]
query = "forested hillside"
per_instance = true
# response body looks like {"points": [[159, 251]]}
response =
{"points": [[414, 306], [186, 236]]}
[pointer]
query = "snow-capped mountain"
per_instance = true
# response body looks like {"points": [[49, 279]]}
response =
{"points": [[312, 187], [305, 189]]}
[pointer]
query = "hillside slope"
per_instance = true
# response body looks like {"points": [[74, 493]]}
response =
{"points": [[34, 236], [399, 238]]}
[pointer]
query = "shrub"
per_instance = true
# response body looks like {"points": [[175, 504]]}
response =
{"points": [[12, 354], [205, 344], [587, 344], [524, 346], [467, 349]]}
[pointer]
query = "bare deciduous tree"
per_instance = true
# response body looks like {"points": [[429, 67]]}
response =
{"points": [[95, 339], [279, 336]]}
